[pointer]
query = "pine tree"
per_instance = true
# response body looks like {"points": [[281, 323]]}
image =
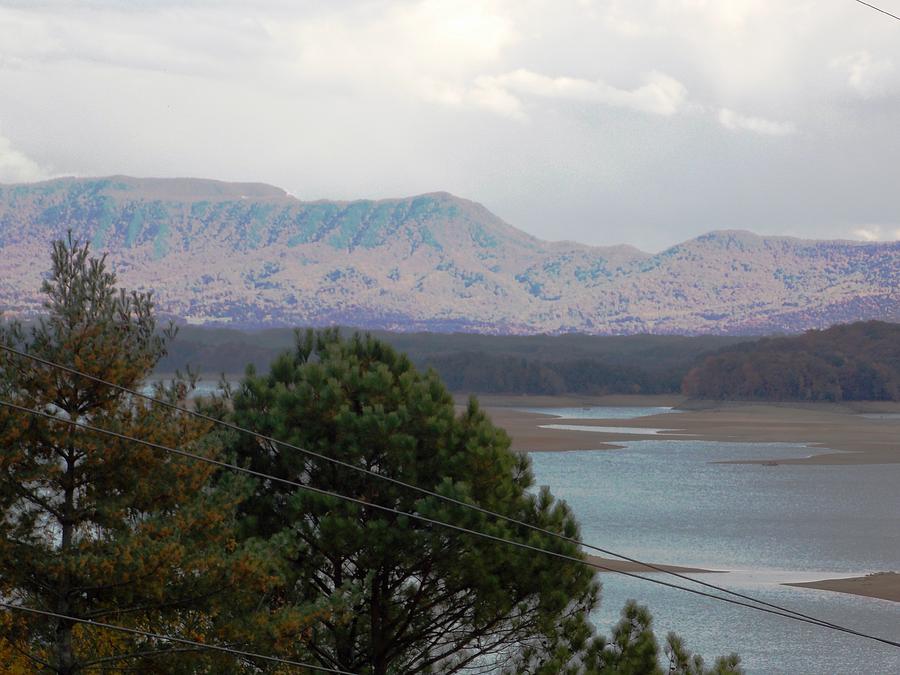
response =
{"points": [[414, 598], [408, 597], [99, 528], [683, 662]]}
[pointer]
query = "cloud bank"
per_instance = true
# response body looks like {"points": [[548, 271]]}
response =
{"points": [[606, 121]]}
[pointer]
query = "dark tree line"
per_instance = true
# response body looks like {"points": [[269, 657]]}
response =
{"points": [[489, 373], [849, 362], [470, 363]]}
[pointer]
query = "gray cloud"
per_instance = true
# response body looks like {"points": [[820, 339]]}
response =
{"points": [[603, 121]]}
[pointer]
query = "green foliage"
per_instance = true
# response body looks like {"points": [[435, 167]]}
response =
{"points": [[471, 363], [852, 362], [415, 598], [101, 528], [683, 662], [632, 649], [410, 597]]}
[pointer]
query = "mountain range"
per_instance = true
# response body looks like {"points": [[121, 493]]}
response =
{"points": [[251, 255]]}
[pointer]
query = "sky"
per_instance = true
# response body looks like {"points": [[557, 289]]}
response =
{"points": [[599, 121]]}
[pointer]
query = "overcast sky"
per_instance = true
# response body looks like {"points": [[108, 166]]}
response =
{"points": [[599, 121]]}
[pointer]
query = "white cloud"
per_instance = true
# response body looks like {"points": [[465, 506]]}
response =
{"points": [[396, 49], [502, 94], [15, 166], [867, 76], [484, 95], [380, 98], [661, 95], [496, 99], [732, 16], [877, 232], [736, 122]]}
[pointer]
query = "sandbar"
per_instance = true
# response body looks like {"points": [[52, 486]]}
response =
{"points": [[842, 429], [840, 434], [614, 565], [883, 585]]}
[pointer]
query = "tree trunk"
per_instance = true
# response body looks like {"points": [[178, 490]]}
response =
{"points": [[65, 655], [377, 616]]}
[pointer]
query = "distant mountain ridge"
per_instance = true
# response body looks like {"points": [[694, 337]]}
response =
{"points": [[251, 255]]}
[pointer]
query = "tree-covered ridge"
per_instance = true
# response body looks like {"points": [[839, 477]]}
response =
{"points": [[251, 255], [470, 363], [859, 361], [851, 361]]}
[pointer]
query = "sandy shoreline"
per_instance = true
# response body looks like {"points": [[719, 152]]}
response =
{"points": [[841, 430], [615, 565], [821, 426], [883, 585]]}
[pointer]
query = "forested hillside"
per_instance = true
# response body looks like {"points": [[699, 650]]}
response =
{"points": [[858, 361], [850, 362], [470, 363], [252, 256]]}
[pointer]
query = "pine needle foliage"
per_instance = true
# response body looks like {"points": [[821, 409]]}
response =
{"points": [[98, 528], [415, 598]]}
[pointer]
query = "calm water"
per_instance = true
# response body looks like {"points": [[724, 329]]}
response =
{"points": [[667, 501], [601, 413], [638, 431]]}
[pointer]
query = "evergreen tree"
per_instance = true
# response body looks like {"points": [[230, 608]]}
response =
{"points": [[99, 528], [414, 598], [683, 662], [631, 650]]}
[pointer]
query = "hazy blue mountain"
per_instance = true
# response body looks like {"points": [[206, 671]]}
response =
{"points": [[251, 255]]}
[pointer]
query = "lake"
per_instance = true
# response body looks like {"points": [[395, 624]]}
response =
{"points": [[668, 501]]}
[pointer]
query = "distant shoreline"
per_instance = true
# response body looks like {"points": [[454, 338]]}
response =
{"points": [[841, 428], [615, 565], [880, 585], [820, 426]]}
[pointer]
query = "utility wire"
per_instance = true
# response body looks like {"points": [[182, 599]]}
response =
{"points": [[170, 638], [432, 521], [878, 9], [395, 481]]}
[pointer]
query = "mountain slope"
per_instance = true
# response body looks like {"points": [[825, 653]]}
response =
{"points": [[252, 255]]}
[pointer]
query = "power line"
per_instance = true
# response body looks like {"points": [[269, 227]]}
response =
{"points": [[395, 481], [177, 640], [432, 521], [878, 9]]}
